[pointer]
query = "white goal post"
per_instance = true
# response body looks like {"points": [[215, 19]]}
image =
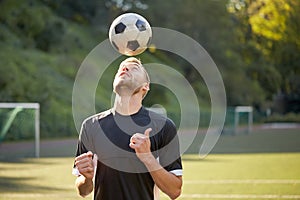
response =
{"points": [[36, 107], [243, 109]]}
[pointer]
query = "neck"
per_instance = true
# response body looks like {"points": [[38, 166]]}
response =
{"points": [[127, 105]]}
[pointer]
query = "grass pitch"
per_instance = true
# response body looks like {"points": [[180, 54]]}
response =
{"points": [[218, 176], [242, 176]]}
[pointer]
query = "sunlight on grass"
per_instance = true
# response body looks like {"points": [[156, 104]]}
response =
{"points": [[216, 175], [47, 178]]}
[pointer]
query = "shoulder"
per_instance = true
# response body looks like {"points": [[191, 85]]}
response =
{"points": [[95, 118], [162, 120], [155, 114]]}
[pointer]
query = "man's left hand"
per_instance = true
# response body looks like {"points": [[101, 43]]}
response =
{"points": [[141, 144]]}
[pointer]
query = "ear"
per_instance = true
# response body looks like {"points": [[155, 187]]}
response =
{"points": [[146, 87]]}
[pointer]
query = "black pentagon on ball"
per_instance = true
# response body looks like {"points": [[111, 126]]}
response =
{"points": [[133, 45], [141, 25], [119, 28]]}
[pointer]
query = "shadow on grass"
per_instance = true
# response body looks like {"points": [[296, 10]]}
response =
{"points": [[24, 160], [14, 151], [13, 184]]}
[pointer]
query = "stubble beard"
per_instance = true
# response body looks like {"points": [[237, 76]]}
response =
{"points": [[128, 88]]}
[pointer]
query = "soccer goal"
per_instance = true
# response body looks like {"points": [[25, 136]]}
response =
{"points": [[248, 110], [239, 119], [19, 118]]}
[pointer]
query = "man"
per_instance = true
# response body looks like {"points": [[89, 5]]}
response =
{"points": [[136, 150]]}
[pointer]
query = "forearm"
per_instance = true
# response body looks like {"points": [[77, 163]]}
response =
{"points": [[167, 182], [84, 186]]}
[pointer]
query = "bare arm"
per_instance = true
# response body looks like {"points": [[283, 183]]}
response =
{"points": [[167, 182], [84, 182]]}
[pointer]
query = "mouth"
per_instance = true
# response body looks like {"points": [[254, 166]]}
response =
{"points": [[123, 73]]}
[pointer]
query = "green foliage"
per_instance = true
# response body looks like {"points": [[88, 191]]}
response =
{"points": [[269, 78], [35, 66], [31, 22], [43, 42], [287, 118], [269, 34]]}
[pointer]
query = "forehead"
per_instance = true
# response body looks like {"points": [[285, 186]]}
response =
{"points": [[130, 64]]}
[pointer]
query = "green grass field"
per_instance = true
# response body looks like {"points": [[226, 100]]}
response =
{"points": [[218, 176], [262, 165]]}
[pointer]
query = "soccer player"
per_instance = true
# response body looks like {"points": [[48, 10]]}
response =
{"points": [[127, 152]]}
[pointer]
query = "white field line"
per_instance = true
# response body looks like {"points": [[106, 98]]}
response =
{"points": [[244, 181], [239, 196]]}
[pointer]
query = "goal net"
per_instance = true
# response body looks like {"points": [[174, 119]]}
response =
{"points": [[19, 129], [239, 120]]}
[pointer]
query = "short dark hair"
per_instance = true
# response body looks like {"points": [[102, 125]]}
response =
{"points": [[137, 61]]}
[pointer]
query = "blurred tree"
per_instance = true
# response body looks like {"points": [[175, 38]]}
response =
{"points": [[209, 23], [270, 32], [256, 46]]}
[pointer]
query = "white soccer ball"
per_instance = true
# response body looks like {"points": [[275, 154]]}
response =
{"points": [[130, 34]]}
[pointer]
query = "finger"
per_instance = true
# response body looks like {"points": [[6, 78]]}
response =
{"points": [[147, 131], [132, 145], [135, 141], [86, 169], [84, 162], [87, 172], [84, 155], [132, 139], [89, 154], [136, 137]]}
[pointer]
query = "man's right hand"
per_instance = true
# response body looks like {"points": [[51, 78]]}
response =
{"points": [[84, 164]]}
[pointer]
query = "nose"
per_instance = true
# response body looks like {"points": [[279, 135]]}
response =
{"points": [[124, 69]]}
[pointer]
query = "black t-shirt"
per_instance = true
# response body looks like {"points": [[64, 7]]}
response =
{"points": [[120, 174]]}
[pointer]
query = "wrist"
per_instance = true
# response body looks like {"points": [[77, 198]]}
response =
{"points": [[82, 180], [88, 180], [151, 163], [148, 159], [84, 186]]}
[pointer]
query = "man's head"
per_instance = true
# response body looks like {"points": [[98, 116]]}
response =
{"points": [[131, 78]]}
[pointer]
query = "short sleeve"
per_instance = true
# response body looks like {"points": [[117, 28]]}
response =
{"points": [[83, 140], [80, 147]]}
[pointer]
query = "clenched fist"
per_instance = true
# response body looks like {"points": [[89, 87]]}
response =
{"points": [[84, 164]]}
